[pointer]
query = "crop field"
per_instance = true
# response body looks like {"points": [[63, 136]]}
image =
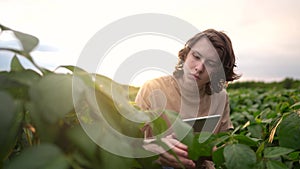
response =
{"points": [[52, 120], [270, 117]]}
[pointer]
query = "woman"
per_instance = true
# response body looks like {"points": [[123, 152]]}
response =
{"points": [[197, 88]]}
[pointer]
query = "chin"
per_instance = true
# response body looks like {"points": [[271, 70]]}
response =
{"points": [[201, 83]]}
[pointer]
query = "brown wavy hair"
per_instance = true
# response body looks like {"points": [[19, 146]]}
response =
{"points": [[223, 45]]}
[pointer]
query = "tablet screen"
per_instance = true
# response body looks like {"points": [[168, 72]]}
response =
{"points": [[205, 123]]}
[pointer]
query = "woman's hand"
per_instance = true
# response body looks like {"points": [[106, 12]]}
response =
{"points": [[168, 159]]}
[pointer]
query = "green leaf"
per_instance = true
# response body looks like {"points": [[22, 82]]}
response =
{"points": [[110, 160], [294, 156], [288, 131], [259, 151], [203, 144], [25, 77], [159, 126], [83, 75], [218, 156], [17, 83], [51, 100], [295, 106], [260, 165], [272, 152], [194, 150], [239, 156], [113, 101], [221, 139], [271, 164], [52, 97], [102, 110], [86, 147], [204, 136], [11, 86], [148, 163], [256, 130], [284, 106], [15, 64], [28, 42], [245, 140], [190, 140], [3, 28], [46, 156], [10, 121]]}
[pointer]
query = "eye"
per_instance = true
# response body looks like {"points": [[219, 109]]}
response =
{"points": [[211, 63], [196, 55]]}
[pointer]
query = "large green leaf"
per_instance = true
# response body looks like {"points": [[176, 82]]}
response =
{"points": [[105, 118], [194, 149], [239, 156], [288, 131], [148, 163], [205, 144], [272, 152], [51, 104], [271, 164], [256, 130], [25, 77], [114, 104], [10, 122], [16, 89], [218, 156], [109, 160], [28, 42], [86, 147], [159, 126], [52, 97], [15, 64], [47, 156], [16, 83], [80, 73]]}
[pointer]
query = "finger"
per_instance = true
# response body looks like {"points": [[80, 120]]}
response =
{"points": [[178, 151], [174, 135], [176, 146], [168, 159], [173, 142], [165, 162], [154, 148]]}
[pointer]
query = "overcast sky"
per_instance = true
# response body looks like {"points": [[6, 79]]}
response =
{"points": [[265, 33]]}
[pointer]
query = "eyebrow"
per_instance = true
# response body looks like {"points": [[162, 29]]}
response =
{"points": [[197, 52]]}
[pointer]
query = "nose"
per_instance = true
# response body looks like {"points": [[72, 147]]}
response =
{"points": [[199, 67]]}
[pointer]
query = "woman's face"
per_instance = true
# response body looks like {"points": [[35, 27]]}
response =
{"points": [[200, 62]]}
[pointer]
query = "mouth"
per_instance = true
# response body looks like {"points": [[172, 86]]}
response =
{"points": [[196, 77]]}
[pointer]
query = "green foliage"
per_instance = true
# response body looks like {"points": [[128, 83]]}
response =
{"points": [[288, 131], [287, 83], [41, 112], [269, 117], [239, 156], [42, 156], [10, 123]]}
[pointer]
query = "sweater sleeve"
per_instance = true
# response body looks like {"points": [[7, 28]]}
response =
{"points": [[150, 97], [141, 97]]}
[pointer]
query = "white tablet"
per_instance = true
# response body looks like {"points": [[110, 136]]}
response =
{"points": [[205, 123]]}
